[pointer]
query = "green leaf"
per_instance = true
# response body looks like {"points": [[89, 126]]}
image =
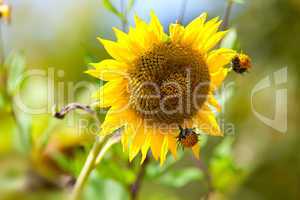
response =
{"points": [[224, 171], [154, 171], [70, 164], [62, 161], [116, 172], [15, 65], [100, 188], [23, 128], [2, 100], [224, 148], [90, 58], [110, 7], [181, 177], [230, 39]]}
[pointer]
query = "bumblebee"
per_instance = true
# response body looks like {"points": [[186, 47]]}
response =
{"points": [[187, 137], [241, 63]]}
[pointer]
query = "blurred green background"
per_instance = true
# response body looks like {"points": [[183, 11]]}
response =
{"points": [[40, 156]]}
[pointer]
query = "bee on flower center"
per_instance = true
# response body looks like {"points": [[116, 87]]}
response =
{"points": [[241, 63], [187, 137]]}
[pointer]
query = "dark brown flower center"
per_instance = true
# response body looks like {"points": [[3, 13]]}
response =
{"points": [[169, 83]]}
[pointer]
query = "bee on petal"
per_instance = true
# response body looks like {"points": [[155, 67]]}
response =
{"points": [[241, 63], [187, 137]]}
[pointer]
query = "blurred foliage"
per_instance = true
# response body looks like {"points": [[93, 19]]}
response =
{"points": [[238, 1], [181, 177], [226, 175], [100, 187], [231, 41], [15, 66]]}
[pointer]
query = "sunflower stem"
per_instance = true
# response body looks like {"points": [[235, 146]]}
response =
{"points": [[200, 164], [2, 52], [88, 167], [111, 141], [124, 13], [227, 14], [182, 11], [135, 187]]}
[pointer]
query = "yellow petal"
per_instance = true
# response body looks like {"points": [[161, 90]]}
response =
{"points": [[156, 26], [214, 40], [108, 70], [112, 122], [137, 143], [122, 37], [143, 34], [146, 147], [196, 151], [117, 51], [209, 29], [130, 129], [125, 137], [139, 23], [164, 150], [156, 144], [173, 145], [127, 42], [193, 29], [212, 100], [206, 121], [217, 59], [217, 78], [105, 93], [196, 23], [176, 32]]}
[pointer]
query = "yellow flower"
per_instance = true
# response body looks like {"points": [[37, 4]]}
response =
{"points": [[5, 12], [158, 82]]}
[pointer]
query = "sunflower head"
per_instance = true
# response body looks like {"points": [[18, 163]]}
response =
{"points": [[163, 81], [158, 81]]}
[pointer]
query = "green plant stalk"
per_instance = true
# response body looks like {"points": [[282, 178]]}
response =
{"points": [[88, 167], [182, 11], [227, 14], [135, 187], [113, 140], [2, 52], [124, 13], [226, 17]]}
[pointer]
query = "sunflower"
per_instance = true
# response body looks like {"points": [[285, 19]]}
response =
{"points": [[157, 82]]}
